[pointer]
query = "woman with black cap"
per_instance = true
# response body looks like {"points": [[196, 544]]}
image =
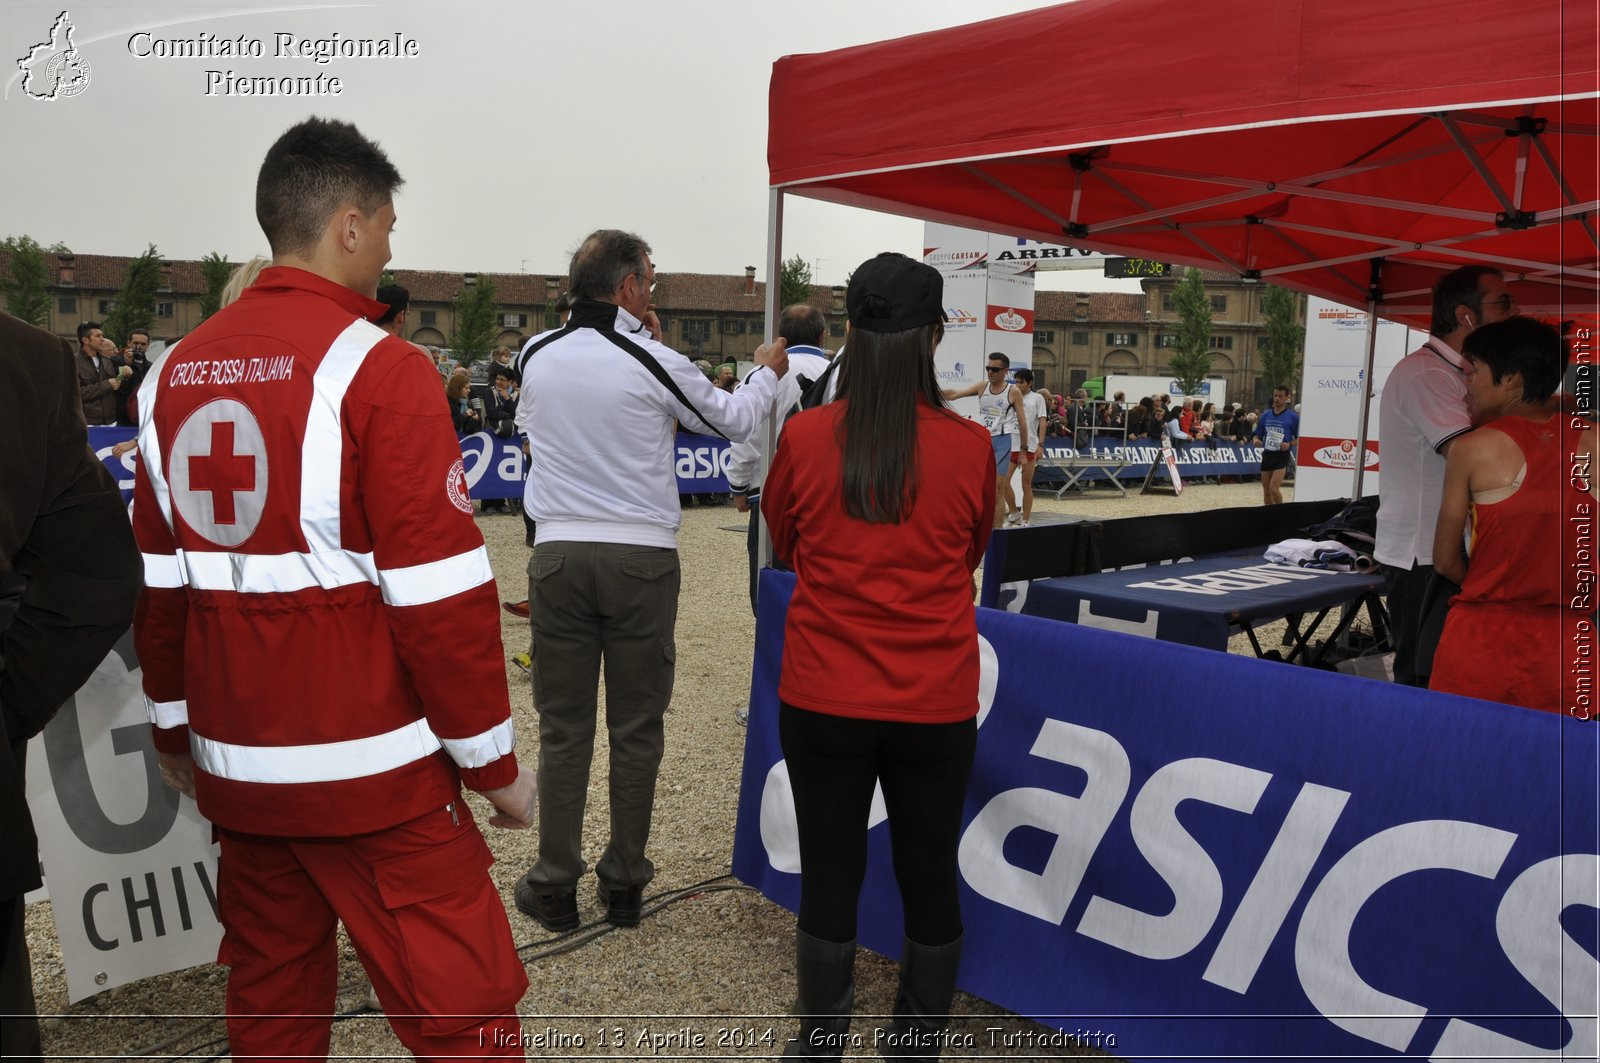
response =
{"points": [[882, 502]]}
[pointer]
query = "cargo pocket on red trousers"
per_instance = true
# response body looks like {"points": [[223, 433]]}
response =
{"points": [[453, 928]]}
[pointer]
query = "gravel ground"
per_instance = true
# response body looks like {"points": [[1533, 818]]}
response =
{"points": [[713, 960]]}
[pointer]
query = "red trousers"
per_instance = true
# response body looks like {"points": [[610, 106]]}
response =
{"points": [[424, 917]]}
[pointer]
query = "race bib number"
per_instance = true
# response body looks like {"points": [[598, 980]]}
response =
{"points": [[1274, 437]]}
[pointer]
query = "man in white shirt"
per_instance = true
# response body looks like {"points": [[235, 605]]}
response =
{"points": [[801, 327], [603, 580], [1423, 409]]}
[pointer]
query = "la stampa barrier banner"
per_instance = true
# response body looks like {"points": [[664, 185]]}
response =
{"points": [[1258, 861], [495, 467]]}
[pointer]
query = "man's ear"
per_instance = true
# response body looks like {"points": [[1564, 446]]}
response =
{"points": [[349, 229]]}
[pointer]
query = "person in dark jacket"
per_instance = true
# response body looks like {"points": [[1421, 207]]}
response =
{"points": [[69, 575]]}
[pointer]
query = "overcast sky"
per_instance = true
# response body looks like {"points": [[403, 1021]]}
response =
{"points": [[519, 127]]}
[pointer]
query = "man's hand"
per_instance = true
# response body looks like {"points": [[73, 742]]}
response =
{"points": [[774, 356], [115, 382], [516, 802], [652, 324], [741, 502], [177, 771]]}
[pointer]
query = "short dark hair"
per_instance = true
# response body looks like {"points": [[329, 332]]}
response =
{"points": [[1003, 359], [1521, 345], [1025, 375], [563, 303], [397, 298], [86, 327], [314, 169], [1285, 388], [1459, 287], [138, 331], [506, 371], [604, 260], [802, 323]]}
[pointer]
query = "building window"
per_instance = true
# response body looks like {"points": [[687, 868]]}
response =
{"points": [[836, 330], [695, 330], [1044, 335], [1167, 305], [67, 304], [428, 316], [1166, 339], [106, 306], [511, 320], [163, 310], [732, 326], [1219, 304], [1080, 339], [1122, 339], [1222, 343]]}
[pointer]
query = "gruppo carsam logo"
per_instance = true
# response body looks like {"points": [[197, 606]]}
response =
{"points": [[54, 69]]}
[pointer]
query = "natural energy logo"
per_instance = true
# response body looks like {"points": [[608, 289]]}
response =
{"points": [[54, 69]]}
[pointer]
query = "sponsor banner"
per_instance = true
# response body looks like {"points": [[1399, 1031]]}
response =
{"points": [[129, 863], [1132, 461], [1320, 452], [1333, 391], [961, 257], [495, 468], [1013, 322], [1008, 316], [1353, 869]]}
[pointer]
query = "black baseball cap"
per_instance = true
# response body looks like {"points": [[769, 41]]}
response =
{"points": [[912, 290]]}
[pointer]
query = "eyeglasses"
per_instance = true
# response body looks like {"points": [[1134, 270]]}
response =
{"points": [[649, 282], [1504, 302], [995, 369]]}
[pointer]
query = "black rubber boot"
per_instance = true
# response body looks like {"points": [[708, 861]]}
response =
{"points": [[922, 1006], [825, 973]]}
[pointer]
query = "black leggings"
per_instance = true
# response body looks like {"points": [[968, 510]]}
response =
{"points": [[834, 762]]}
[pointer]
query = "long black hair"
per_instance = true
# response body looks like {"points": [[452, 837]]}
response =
{"points": [[881, 377]]}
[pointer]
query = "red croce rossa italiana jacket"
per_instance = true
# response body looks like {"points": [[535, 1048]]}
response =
{"points": [[319, 627]]}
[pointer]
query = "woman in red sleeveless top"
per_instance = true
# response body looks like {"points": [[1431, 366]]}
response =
{"points": [[1522, 483]]}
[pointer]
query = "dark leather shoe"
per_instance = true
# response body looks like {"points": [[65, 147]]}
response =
{"points": [[623, 904], [556, 912]]}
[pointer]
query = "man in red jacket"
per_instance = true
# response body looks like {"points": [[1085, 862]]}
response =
{"points": [[313, 629]]}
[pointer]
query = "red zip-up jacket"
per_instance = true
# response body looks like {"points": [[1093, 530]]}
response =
{"points": [[319, 627]]}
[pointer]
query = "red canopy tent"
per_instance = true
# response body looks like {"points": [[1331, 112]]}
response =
{"points": [[1295, 142], [1353, 150]]}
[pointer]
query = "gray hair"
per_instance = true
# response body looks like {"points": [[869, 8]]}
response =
{"points": [[603, 261]]}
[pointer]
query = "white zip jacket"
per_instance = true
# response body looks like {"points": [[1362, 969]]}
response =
{"points": [[600, 427], [806, 363]]}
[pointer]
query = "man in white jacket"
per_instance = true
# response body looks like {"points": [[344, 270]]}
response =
{"points": [[801, 327], [602, 396]]}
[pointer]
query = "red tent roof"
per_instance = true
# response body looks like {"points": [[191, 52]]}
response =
{"points": [[1294, 141]]}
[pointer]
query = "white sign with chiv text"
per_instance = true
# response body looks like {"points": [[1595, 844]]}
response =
{"points": [[130, 866]]}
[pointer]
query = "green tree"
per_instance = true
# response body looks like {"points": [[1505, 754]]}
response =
{"points": [[1284, 339], [1191, 358], [475, 308], [136, 302], [25, 280], [794, 286], [216, 270]]}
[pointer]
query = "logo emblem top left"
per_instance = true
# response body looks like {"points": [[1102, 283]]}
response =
{"points": [[219, 472]]}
